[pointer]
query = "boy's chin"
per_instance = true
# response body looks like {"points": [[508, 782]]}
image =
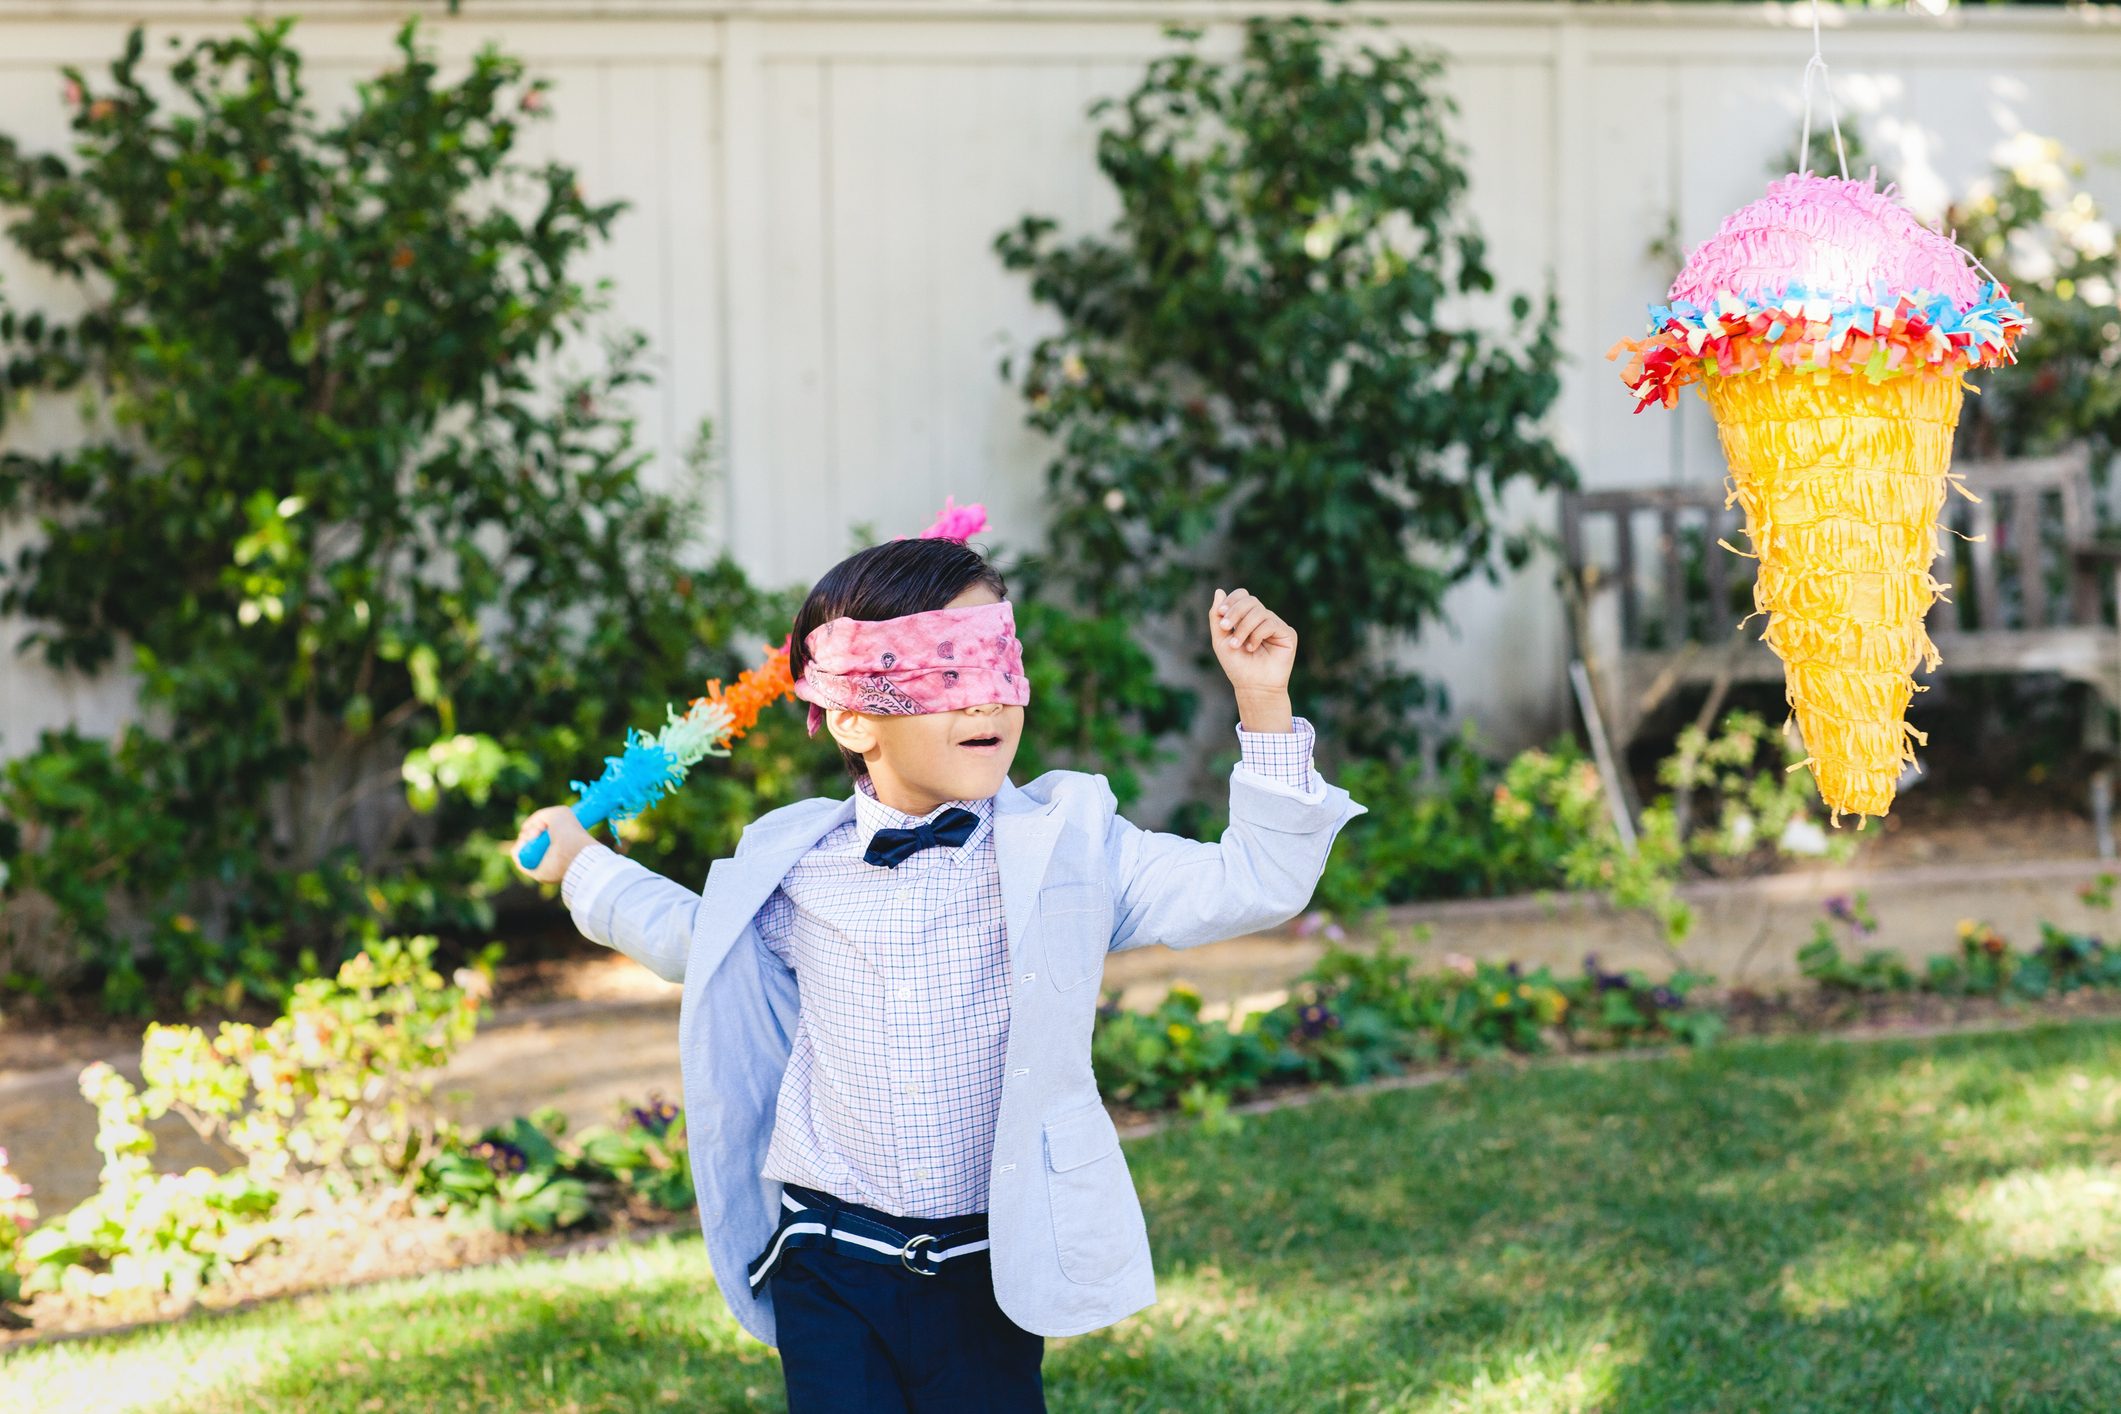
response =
{"points": [[979, 781]]}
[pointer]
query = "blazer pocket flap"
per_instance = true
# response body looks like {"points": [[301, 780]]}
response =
{"points": [[1081, 1138], [1071, 898]]}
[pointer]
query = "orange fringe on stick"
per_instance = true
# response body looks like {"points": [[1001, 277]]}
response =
{"points": [[756, 689]]}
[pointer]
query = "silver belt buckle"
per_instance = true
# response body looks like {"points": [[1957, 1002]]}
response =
{"points": [[907, 1252]]}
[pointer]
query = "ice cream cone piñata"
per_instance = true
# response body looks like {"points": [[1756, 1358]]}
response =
{"points": [[1831, 333]]}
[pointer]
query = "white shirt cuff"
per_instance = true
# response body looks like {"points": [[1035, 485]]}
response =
{"points": [[1281, 761], [588, 869]]}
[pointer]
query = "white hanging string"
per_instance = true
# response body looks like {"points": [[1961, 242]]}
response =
{"points": [[1818, 61]]}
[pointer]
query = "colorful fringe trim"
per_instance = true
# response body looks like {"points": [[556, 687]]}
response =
{"points": [[1880, 338], [651, 766]]}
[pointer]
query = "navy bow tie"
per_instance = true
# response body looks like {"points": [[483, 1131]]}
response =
{"points": [[892, 848]]}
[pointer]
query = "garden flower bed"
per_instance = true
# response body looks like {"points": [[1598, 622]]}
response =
{"points": [[157, 1247]]}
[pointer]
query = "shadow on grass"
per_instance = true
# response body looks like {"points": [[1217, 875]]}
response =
{"points": [[574, 1336], [1777, 1228], [1758, 1228]]}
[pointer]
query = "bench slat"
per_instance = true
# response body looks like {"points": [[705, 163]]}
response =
{"points": [[1981, 525], [2078, 530], [1720, 564], [1624, 564], [2064, 632], [2025, 539], [1675, 605]]}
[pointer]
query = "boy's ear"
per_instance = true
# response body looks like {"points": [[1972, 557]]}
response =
{"points": [[851, 729]]}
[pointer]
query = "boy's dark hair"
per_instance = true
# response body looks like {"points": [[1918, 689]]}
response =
{"points": [[888, 581]]}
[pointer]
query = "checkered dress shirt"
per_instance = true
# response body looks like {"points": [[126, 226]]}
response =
{"points": [[894, 1077]]}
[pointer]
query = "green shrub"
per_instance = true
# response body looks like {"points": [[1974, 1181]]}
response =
{"points": [[1360, 1013], [338, 1084], [512, 1177], [1475, 827], [1538, 821], [1879, 970], [333, 1091], [1984, 965], [143, 1230], [406, 576], [1263, 376], [1445, 836], [2076, 960], [18, 1214], [1097, 702], [1626, 1008], [647, 1153], [1750, 794], [2033, 224], [527, 1176], [1148, 1059]]}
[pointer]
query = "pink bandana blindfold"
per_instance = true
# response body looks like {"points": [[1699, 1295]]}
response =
{"points": [[936, 661]]}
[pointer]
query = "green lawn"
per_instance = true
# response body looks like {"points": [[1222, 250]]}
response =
{"points": [[1930, 1226]]}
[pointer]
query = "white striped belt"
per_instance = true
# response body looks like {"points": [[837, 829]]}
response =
{"points": [[866, 1233]]}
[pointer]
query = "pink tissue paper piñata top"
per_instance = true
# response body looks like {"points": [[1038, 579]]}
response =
{"points": [[1830, 236]]}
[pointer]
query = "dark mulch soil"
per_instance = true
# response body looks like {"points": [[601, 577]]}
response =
{"points": [[1816, 1009]]}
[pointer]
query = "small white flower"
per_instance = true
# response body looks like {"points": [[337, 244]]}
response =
{"points": [[1802, 836], [2094, 239], [1319, 238], [2030, 259], [1115, 500], [2034, 162], [1743, 828]]}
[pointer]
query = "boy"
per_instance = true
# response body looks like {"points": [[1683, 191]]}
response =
{"points": [[906, 1177]]}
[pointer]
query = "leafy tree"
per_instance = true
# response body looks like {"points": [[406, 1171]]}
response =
{"points": [[1267, 373], [383, 561]]}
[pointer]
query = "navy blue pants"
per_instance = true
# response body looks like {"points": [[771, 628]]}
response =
{"points": [[859, 1337]]}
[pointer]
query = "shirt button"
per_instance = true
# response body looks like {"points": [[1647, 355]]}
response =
{"points": [[905, 992]]}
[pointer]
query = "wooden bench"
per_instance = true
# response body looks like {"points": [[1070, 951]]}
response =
{"points": [[1655, 601]]}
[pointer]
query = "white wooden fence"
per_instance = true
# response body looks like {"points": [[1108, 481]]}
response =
{"points": [[816, 185]]}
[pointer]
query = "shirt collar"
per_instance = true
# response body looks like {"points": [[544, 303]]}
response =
{"points": [[871, 815]]}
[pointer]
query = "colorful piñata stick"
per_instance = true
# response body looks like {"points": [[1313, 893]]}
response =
{"points": [[651, 766]]}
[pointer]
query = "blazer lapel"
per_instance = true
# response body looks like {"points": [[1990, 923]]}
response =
{"points": [[738, 887], [1024, 834]]}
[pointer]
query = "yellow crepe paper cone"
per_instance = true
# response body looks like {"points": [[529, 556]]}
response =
{"points": [[1841, 480], [1831, 333]]}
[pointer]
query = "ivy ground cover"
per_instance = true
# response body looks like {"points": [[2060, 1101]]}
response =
{"points": [[1801, 1225]]}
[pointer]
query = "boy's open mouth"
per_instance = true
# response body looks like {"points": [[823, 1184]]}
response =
{"points": [[981, 743]]}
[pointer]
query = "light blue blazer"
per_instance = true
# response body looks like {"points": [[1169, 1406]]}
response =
{"points": [[1070, 1251]]}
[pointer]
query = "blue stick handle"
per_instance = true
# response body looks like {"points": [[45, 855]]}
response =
{"points": [[531, 855], [631, 783]]}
